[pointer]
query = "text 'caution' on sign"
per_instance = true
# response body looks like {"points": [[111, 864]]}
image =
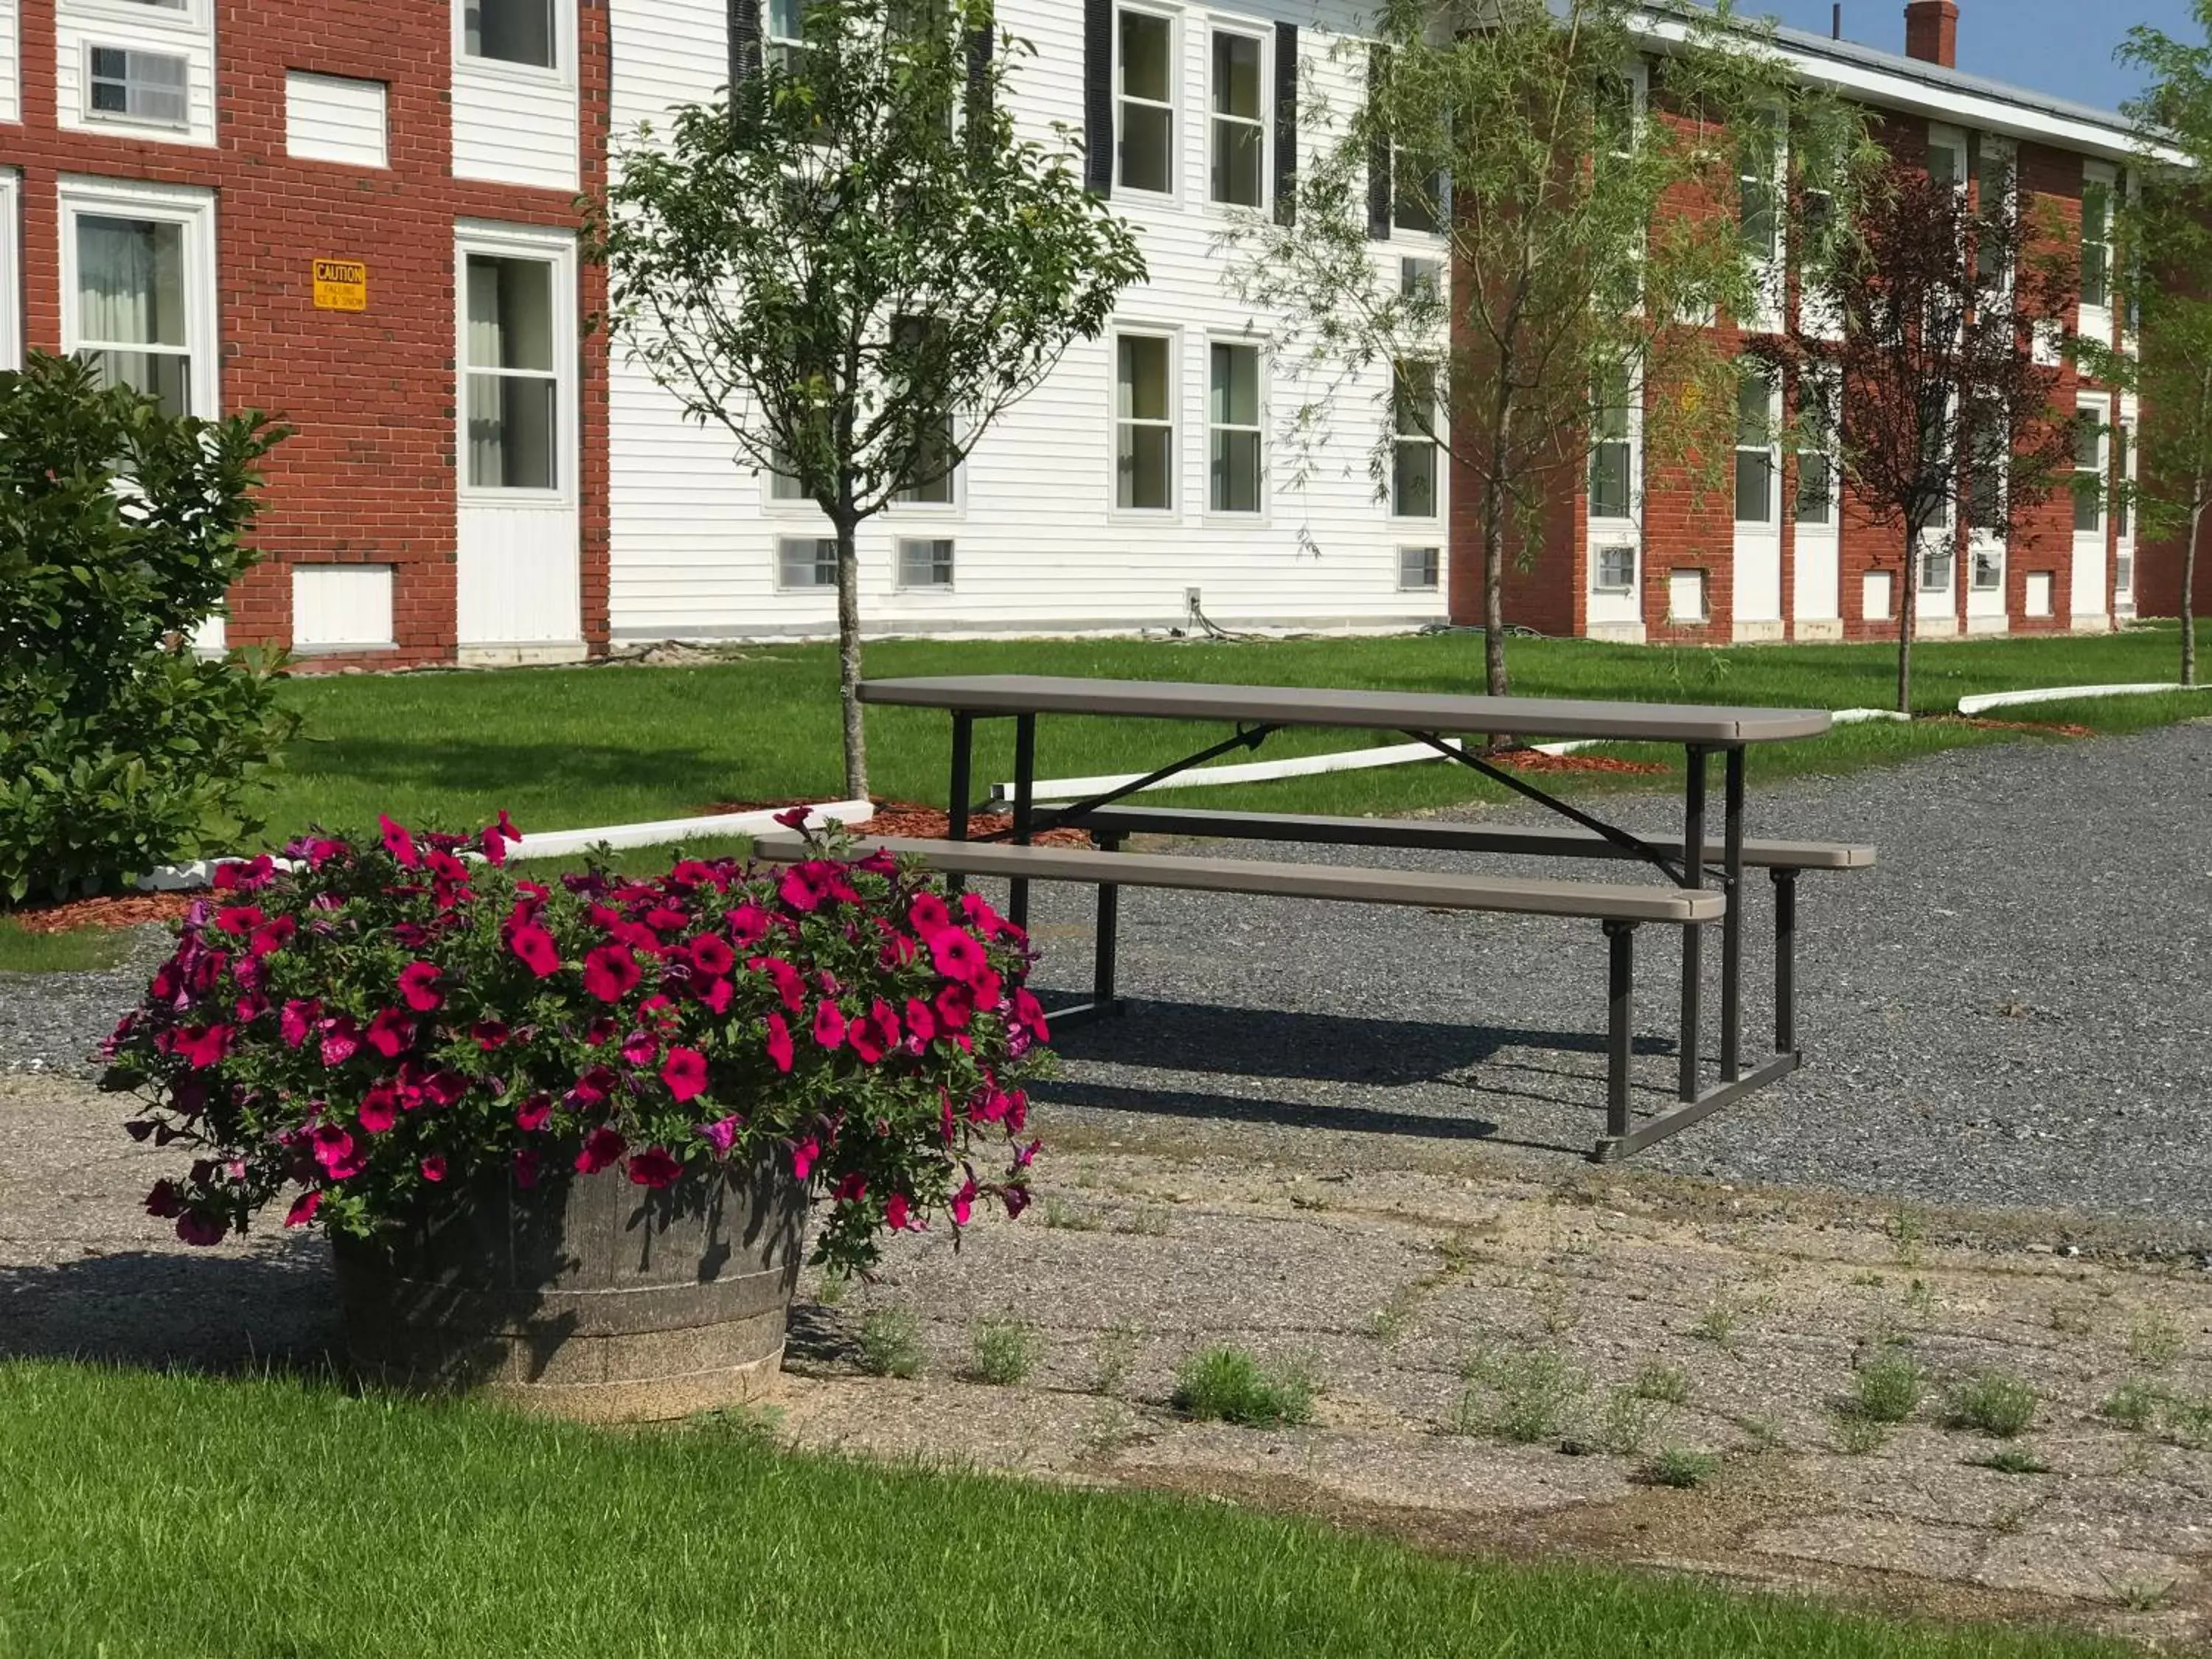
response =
{"points": [[341, 285]]}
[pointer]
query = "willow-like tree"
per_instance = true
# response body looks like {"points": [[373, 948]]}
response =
{"points": [[1600, 191], [2166, 231], [1954, 309], [854, 263]]}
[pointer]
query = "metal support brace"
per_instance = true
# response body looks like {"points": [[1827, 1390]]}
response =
{"points": [[1248, 737], [1618, 837], [1017, 890], [1693, 845], [1109, 919], [1620, 1023], [1785, 961], [956, 805], [1732, 923]]}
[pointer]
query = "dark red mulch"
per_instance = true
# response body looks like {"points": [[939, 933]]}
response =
{"points": [[1529, 760]]}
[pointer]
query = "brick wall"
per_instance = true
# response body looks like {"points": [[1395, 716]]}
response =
{"points": [[368, 476]]}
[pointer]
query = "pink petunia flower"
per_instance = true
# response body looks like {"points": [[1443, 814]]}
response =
{"points": [[335, 1151], [958, 955], [928, 915], [527, 1160], [163, 1201], [920, 1022], [399, 844], [392, 1034], [779, 1043], [963, 1202], [1016, 1197], [711, 955], [433, 1167], [898, 1213], [715, 996], [721, 1134], [506, 826], [271, 937], [641, 1048], [419, 987], [654, 1167], [531, 1114], [684, 1072], [601, 1148], [303, 1208], [341, 1039], [748, 924], [535, 946], [955, 1006], [611, 972], [376, 1114], [803, 1154], [1030, 1012], [492, 845], [246, 878], [828, 1024], [851, 1187], [797, 890], [239, 920], [204, 1047], [297, 1019], [489, 1034]]}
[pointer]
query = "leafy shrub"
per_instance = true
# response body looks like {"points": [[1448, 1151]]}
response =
{"points": [[119, 748], [1006, 1351], [1534, 1394], [1678, 1467], [1996, 1403], [379, 1027], [890, 1344], [1227, 1385], [1663, 1382], [1887, 1389], [2133, 1404]]}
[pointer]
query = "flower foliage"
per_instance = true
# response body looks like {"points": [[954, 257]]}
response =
{"points": [[381, 1025]]}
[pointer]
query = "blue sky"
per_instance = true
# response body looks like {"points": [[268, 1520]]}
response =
{"points": [[2064, 47]]}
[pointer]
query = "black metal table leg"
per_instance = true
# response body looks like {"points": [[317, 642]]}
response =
{"points": [[1017, 891], [1620, 1023], [1732, 923], [1785, 961], [1694, 877], [956, 806], [1109, 919]]}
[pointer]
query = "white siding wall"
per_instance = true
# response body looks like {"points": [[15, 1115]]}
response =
{"points": [[1039, 545], [188, 33], [328, 118], [11, 62], [514, 123]]}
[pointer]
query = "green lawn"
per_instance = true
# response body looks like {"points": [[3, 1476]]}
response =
{"points": [[568, 748], [76, 952], [266, 1519]]}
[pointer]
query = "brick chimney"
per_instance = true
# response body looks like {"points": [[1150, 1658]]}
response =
{"points": [[1931, 31]]}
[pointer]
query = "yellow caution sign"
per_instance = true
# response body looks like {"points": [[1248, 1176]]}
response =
{"points": [[341, 285]]}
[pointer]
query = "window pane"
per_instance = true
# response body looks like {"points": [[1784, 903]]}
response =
{"points": [[2121, 437], [130, 282], [1756, 210], [934, 469], [1989, 570], [1147, 58], [1419, 568], [512, 430], [1413, 481], [926, 563], [1754, 409], [1142, 388], [1235, 400], [1754, 487], [1236, 76], [1235, 472], [165, 376], [1239, 154], [1413, 399], [2088, 442], [787, 20], [1609, 481], [1935, 570], [1148, 147], [1816, 503], [512, 31], [807, 562], [1616, 569], [510, 313], [1420, 198], [1144, 469]]}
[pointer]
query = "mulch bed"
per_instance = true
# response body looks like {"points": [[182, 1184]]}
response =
{"points": [[135, 910], [908, 820], [1529, 760], [2048, 728]]}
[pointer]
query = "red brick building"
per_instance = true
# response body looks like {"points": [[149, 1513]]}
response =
{"points": [[1637, 559]]}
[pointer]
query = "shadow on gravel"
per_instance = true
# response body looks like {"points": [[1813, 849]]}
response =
{"points": [[273, 1310]]}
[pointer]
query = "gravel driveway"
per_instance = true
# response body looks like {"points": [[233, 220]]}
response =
{"points": [[2014, 1008]]}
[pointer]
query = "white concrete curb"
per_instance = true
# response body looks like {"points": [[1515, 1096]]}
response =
{"points": [[2064, 694], [563, 844]]}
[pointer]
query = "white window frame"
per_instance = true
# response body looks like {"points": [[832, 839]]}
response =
{"points": [[1399, 441], [1632, 436], [1943, 136], [2096, 319], [1772, 451], [1626, 586], [2127, 424], [1827, 380], [1771, 268], [1259, 350], [2100, 405], [1427, 550], [195, 210], [2005, 151], [1637, 78], [563, 71], [1175, 423], [899, 583], [1173, 19], [955, 507], [819, 542], [558, 249], [1265, 122], [104, 119], [11, 268]]}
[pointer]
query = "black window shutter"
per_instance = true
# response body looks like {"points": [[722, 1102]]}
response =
{"points": [[745, 61], [1286, 123], [1098, 96], [1378, 148], [980, 43]]}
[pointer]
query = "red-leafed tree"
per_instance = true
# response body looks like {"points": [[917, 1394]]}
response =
{"points": [[1954, 310]]}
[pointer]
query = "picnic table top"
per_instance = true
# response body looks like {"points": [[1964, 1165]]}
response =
{"points": [[1396, 711]]}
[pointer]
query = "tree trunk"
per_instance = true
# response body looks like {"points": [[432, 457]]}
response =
{"points": [[2188, 595], [846, 523], [1493, 590], [1908, 601]]}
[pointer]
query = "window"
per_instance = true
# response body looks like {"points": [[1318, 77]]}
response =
{"points": [[1616, 569], [1936, 553], [1819, 412], [1421, 569], [922, 563], [513, 385], [509, 31], [1946, 156], [934, 471], [1988, 570], [786, 29], [1413, 451], [132, 309], [1617, 111], [783, 481], [1993, 185], [1233, 467], [126, 85], [1421, 280], [1755, 454], [2123, 469], [1612, 453], [1757, 194], [1418, 199], [1146, 104], [1144, 422], [806, 561], [1239, 136], [2097, 239], [2089, 472], [1986, 483]]}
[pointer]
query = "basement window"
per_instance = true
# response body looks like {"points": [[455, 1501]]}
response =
{"points": [[127, 85]]}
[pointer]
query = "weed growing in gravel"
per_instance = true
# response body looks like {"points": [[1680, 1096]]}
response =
{"points": [[1871, 1281], [832, 1290], [2189, 1422], [890, 1344], [1630, 1420], [2012, 1460], [1678, 1466], [2140, 1595], [1006, 1351], [1920, 1299], [1117, 1351], [1717, 1324], [1765, 1433], [1227, 1385], [1907, 1232], [1067, 1218], [1887, 1389], [1536, 1394], [1145, 1221], [1559, 1309], [1996, 1403], [2154, 1342], [2070, 1318], [1664, 1382], [2133, 1404], [1857, 1436]]}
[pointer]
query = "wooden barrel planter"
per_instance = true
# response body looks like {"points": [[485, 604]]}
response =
{"points": [[584, 1296]]}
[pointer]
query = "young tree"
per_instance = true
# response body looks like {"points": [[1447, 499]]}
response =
{"points": [[855, 265], [2167, 230], [1953, 322], [1579, 269]]}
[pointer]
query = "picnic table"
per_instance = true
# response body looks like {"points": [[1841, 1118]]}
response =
{"points": [[1255, 712]]}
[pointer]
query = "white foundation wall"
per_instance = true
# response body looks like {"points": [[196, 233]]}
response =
{"points": [[1039, 544]]}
